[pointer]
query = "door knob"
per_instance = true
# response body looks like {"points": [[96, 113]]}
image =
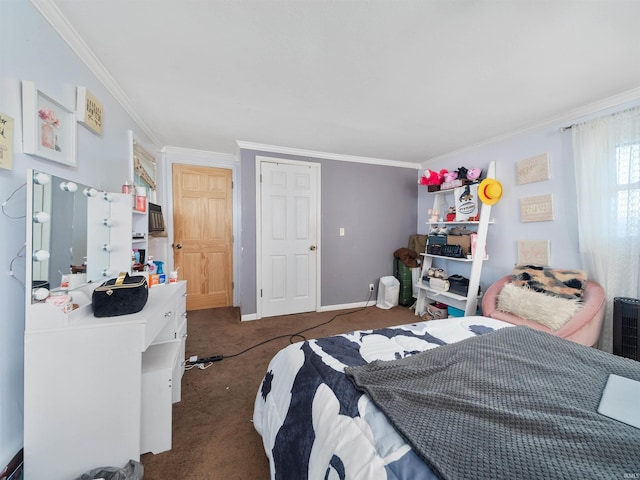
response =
{"points": [[179, 246], [312, 247]]}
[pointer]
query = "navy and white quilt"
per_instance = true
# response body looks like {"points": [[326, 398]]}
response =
{"points": [[315, 424]]}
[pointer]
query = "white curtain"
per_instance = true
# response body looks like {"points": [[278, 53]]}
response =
{"points": [[607, 166]]}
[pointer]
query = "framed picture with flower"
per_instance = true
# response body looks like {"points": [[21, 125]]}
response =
{"points": [[48, 127]]}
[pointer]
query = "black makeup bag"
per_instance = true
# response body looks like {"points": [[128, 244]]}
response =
{"points": [[120, 296]]}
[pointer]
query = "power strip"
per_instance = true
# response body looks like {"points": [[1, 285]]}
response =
{"points": [[194, 360]]}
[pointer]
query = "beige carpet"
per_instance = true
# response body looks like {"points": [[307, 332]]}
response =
{"points": [[213, 436]]}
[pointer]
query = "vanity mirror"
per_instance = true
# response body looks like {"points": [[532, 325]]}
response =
{"points": [[60, 210]]}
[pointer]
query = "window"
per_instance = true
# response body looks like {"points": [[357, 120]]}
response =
{"points": [[628, 186], [144, 167]]}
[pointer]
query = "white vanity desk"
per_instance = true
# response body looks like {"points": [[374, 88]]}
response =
{"points": [[99, 391]]}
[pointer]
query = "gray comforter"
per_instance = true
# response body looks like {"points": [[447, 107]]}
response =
{"points": [[513, 404]]}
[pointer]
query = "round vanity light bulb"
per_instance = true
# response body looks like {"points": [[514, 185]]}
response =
{"points": [[40, 293], [68, 186], [90, 192], [41, 217], [41, 255], [41, 178]]}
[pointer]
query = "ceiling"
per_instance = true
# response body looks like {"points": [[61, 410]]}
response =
{"points": [[398, 80]]}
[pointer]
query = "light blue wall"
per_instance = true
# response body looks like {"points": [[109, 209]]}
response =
{"points": [[507, 229], [375, 204], [502, 238], [31, 50]]}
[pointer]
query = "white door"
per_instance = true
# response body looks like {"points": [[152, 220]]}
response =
{"points": [[289, 238]]}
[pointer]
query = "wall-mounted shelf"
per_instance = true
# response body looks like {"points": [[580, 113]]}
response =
{"points": [[140, 226]]}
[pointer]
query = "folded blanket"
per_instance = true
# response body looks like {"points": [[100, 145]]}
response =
{"points": [[514, 403]]}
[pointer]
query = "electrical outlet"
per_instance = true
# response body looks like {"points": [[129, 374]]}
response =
{"points": [[371, 287]]}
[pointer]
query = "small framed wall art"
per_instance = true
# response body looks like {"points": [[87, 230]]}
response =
{"points": [[48, 127], [6, 141], [533, 252], [536, 209], [89, 110], [533, 169]]}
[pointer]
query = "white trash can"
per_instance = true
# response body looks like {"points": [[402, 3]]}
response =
{"points": [[388, 292]]}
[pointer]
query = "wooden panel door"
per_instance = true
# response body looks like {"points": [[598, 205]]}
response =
{"points": [[203, 234], [289, 238]]}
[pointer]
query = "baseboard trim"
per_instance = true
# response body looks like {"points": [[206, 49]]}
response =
{"points": [[346, 306], [248, 317], [327, 308]]}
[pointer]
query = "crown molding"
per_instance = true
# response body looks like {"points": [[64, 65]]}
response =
{"points": [[61, 25], [561, 122], [205, 154], [325, 155]]}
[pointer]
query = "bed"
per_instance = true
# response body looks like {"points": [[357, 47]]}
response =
{"points": [[443, 399]]}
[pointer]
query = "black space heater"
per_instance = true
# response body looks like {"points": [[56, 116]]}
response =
{"points": [[626, 323]]}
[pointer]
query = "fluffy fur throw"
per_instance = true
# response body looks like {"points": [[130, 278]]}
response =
{"points": [[548, 310], [560, 282]]}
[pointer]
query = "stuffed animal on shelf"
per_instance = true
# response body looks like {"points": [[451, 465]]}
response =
{"points": [[431, 177], [451, 176], [462, 172], [451, 214], [473, 174]]}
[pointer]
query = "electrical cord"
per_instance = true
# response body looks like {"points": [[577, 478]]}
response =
{"points": [[201, 366], [18, 255], [206, 362], [9, 198]]}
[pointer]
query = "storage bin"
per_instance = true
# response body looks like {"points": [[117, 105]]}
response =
{"points": [[455, 312], [437, 310]]}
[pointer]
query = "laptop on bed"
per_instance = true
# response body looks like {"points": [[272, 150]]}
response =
{"points": [[620, 399]]}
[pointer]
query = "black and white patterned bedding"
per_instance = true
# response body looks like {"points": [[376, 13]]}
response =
{"points": [[315, 424]]}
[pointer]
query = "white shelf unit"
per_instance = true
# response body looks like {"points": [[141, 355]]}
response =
{"points": [[140, 226], [157, 378], [468, 304]]}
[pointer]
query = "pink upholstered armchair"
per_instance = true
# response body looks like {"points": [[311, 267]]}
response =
{"points": [[583, 328]]}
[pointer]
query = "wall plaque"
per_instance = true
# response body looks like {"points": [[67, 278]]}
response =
{"points": [[89, 110], [533, 252], [6, 141], [536, 209], [533, 169]]}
